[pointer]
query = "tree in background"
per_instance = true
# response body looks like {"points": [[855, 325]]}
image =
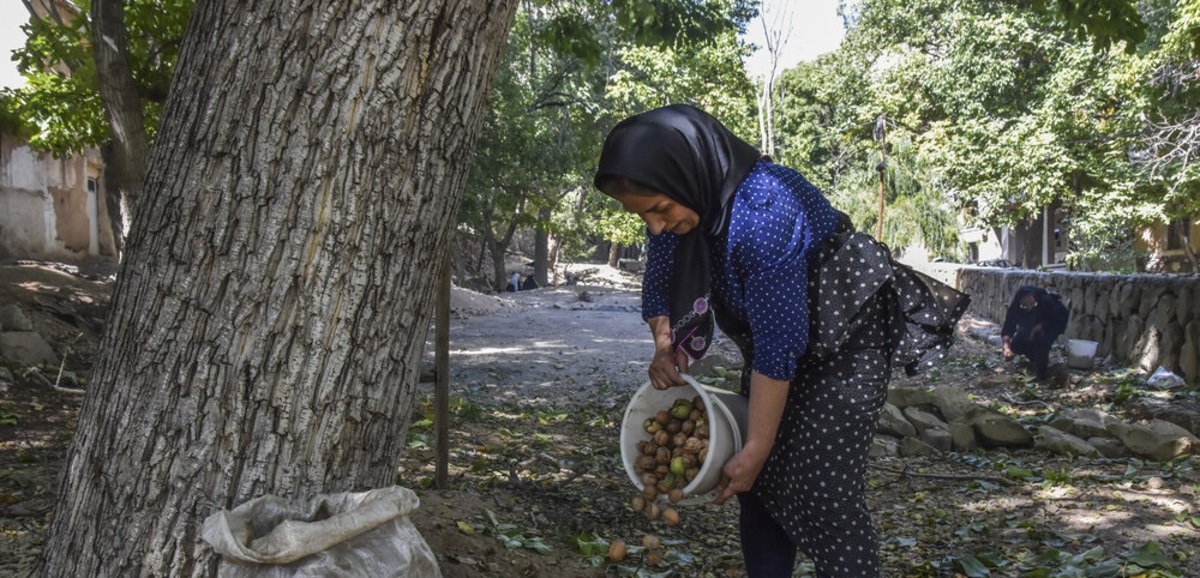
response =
{"points": [[96, 75], [568, 76]]}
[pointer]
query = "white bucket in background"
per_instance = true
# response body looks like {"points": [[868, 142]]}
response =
{"points": [[727, 416], [1081, 353]]}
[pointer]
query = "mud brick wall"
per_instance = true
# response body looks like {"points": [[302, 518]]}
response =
{"points": [[1142, 320]]}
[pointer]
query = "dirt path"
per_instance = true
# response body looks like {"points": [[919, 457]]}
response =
{"points": [[539, 381]]}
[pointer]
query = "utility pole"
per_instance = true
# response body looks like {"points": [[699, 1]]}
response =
{"points": [[881, 167]]}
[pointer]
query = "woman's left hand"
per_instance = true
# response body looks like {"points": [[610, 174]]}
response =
{"points": [[739, 473]]}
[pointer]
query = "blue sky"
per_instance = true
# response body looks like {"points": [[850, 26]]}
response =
{"points": [[815, 31]]}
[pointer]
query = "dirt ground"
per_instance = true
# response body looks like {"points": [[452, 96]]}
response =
{"points": [[539, 383]]}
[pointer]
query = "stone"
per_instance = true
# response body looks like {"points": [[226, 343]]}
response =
{"points": [[1158, 440], [1083, 422], [952, 402], [996, 430], [923, 420], [6, 375], [937, 438], [892, 422], [1189, 355], [1185, 309], [1110, 447], [1125, 338], [12, 318], [26, 347], [1146, 350], [884, 447], [1062, 443], [1151, 294], [962, 437], [913, 447], [903, 397]]}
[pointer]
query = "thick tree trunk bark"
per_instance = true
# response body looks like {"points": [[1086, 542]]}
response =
{"points": [[125, 163], [269, 317]]}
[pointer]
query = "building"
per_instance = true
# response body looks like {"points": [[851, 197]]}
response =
{"points": [[52, 209]]}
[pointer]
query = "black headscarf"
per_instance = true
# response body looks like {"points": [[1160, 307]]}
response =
{"points": [[692, 158]]}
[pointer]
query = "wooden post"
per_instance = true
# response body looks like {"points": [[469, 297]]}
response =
{"points": [[441, 387], [881, 167]]}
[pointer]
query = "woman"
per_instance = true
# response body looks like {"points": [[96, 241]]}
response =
{"points": [[1034, 321], [820, 313]]}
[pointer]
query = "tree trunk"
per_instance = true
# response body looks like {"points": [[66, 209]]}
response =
{"points": [[614, 254], [541, 249], [269, 317], [125, 163]]}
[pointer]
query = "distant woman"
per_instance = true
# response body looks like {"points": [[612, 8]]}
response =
{"points": [[821, 314], [1034, 321]]}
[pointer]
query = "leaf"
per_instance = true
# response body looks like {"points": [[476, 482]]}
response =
{"points": [[1017, 473], [539, 546], [1150, 555], [972, 567], [465, 528]]}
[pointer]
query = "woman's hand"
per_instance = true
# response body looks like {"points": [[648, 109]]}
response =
{"points": [[768, 397], [667, 363], [666, 367], [739, 472]]}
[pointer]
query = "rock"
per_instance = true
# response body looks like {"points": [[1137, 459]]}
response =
{"points": [[26, 347], [1189, 357], [938, 439], [903, 397], [1158, 440], [952, 402], [893, 422], [1109, 447], [1184, 415], [1062, 443], [6, 375], [1084, 422], [996, 430], [12, 318], [923, 420], [884, 447], [913, 447], [962, 437]]}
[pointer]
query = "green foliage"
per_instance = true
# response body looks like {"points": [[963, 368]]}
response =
{"points": [[995, 111], [567, 78], [1106, 21], [59, 108], [512, 535]]}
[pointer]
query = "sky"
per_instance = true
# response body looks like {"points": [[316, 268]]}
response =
{"points": [[815, 30], [12, 16]]}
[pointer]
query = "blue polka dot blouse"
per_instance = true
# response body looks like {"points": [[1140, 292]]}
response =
{"points": [[777, 219]]}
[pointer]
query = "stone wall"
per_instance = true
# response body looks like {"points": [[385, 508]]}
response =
{"points": [[1142, 320]]}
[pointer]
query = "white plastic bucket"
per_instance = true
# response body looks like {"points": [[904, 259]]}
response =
{"points": [[727, 416], [1081, 353]]}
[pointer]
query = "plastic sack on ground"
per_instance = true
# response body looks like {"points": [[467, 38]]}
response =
{"points": [[349, 534], [1164, 379]]}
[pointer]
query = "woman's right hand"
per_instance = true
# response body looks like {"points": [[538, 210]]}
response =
{"points": [[667, 363], [666, 367]]}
